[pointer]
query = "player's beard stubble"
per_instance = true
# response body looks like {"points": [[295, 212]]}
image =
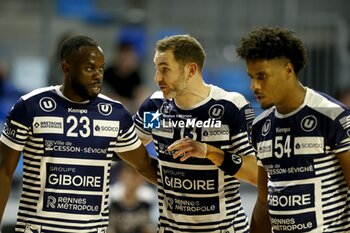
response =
{"points": [[86, 92]]}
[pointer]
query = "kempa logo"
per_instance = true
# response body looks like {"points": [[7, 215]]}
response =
{"points": [[153, 120], [75, 110]]}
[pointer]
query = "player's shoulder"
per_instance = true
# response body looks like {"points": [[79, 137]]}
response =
{"points": [[157, 95], [155, 100], [323, 103], [38, 92], [102, 98], [264, 115], [233, 97], [107, 106]]}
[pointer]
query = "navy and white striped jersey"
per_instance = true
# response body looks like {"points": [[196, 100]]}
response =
{"points": [[195, 195], [67, 149], [307, 191]]}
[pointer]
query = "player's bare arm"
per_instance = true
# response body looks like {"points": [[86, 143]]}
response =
{"points": [[141, 161], [260, 222], [8, 162], [344, 160]]}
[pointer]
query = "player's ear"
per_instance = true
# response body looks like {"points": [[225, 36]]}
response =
{"points": [[65, 67], [289, 68], [192, 69]]}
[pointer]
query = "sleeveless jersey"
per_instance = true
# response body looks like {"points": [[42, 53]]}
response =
{"points": [[67, 149], [307, 191], [195, 195]]}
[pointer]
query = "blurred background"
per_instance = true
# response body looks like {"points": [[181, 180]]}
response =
{"points": [[128, 29]]}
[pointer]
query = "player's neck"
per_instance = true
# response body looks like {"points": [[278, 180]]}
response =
{"points": [[69, 95], [293, 100], [194, 94]]}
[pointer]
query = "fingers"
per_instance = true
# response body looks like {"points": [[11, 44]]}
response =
{"points": [[186, 148], [185, 157], [182, 152], [179, 143], [181, 148], [174, 146]]}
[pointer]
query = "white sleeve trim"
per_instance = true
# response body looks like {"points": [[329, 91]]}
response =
{"points": [[129, 148], [11, 144]]}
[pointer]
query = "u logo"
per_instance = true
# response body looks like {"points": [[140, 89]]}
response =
{"points": [[105, 109], [309, 123], [47, 104], [216, 111]]}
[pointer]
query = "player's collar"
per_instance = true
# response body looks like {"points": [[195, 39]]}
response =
{"points": [[306, 99], [59, 92]]}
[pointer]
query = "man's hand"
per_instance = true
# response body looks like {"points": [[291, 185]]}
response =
{"points": [[187, 147]]}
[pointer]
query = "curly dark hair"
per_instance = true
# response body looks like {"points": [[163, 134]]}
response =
{"points": [[273, 42]]}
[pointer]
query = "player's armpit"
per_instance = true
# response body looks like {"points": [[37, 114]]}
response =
{"points": [[344, 160], [248, 171]]}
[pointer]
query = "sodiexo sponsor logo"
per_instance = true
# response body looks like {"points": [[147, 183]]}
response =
{"points": [[216, 134], [190, 181], [308, 145], [104, 128], [192, 205], [72, 203], [74, 177]]}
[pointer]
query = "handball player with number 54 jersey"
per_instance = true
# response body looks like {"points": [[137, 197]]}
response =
{"points": [[302, 141]]}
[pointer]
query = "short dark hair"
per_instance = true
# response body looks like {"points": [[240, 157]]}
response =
{"points": [[185, 48], [273, 42], [73, 43]]}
